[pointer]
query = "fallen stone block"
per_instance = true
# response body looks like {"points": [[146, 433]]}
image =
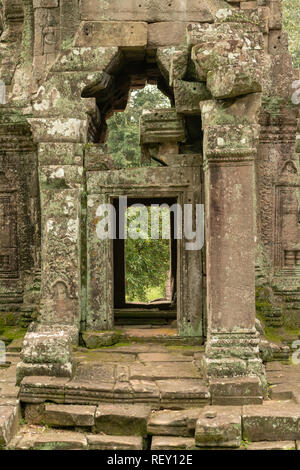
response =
{"points": [[172, 443], [69, 415], [99, 339], [96, 442], [122, 419], [219, 426], [173, 423], [272, 421]]}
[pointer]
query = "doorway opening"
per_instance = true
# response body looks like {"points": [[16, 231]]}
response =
{"points": [[145, 263]]}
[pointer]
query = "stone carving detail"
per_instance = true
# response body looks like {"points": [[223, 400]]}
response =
{"points": [[8, 230], [62, 301]]}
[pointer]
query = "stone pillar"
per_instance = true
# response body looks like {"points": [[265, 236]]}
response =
{"points": [[60, 128], [229, 151], [228, 57]]}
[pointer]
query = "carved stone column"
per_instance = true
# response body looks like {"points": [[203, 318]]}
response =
{"points": [[232, 343], [60, 128]]}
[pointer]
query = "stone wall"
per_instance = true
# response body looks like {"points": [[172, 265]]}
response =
{"points": [[228, 73]]}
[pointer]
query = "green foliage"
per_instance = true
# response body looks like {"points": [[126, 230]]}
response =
{"points": [[123, 138], [291, 23], [147, 263]]}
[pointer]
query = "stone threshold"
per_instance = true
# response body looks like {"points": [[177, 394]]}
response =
{"points": [[161, 393]]}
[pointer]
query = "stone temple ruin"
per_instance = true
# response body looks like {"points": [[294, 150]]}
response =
{"points": [[229, 141]]}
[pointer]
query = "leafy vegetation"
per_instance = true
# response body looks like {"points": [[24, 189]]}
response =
{"points": [[147, 261], [291, 24], [123, 138]]}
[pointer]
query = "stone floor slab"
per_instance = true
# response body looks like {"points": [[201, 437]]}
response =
{"points": [[162, 357], [157, 371]]}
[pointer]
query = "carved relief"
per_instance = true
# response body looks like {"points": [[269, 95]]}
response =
{"points": [[287, 232], [63, 303], [8, 230]]}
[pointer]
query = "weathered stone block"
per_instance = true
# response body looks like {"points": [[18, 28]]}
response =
{"points": [[69, 415], [265, 445], [172, 443], [166, 34], [60, 130], [114, 442], [86, 59], [60, 154], [50, 370], [219, 427], [51, 347], [39, 389], [112, 33], [273, 421], [143, 10], [161, 126], [122, 419], [60, 177], [45, 3], [236, 391], [9, 421], [34, 413], [228, 82], [97, 339], [173, 423], [145, 391], [188, 96], [184, 389], [54, 440]]}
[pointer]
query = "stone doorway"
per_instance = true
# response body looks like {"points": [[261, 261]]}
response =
{"points": [[134, 304], [105, 292]]}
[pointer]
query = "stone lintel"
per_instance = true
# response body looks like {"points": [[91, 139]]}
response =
{"points": [[112, 33]]}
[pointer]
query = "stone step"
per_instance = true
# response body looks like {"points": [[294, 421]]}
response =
{"points": [[9, 421], [180, 393]]}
